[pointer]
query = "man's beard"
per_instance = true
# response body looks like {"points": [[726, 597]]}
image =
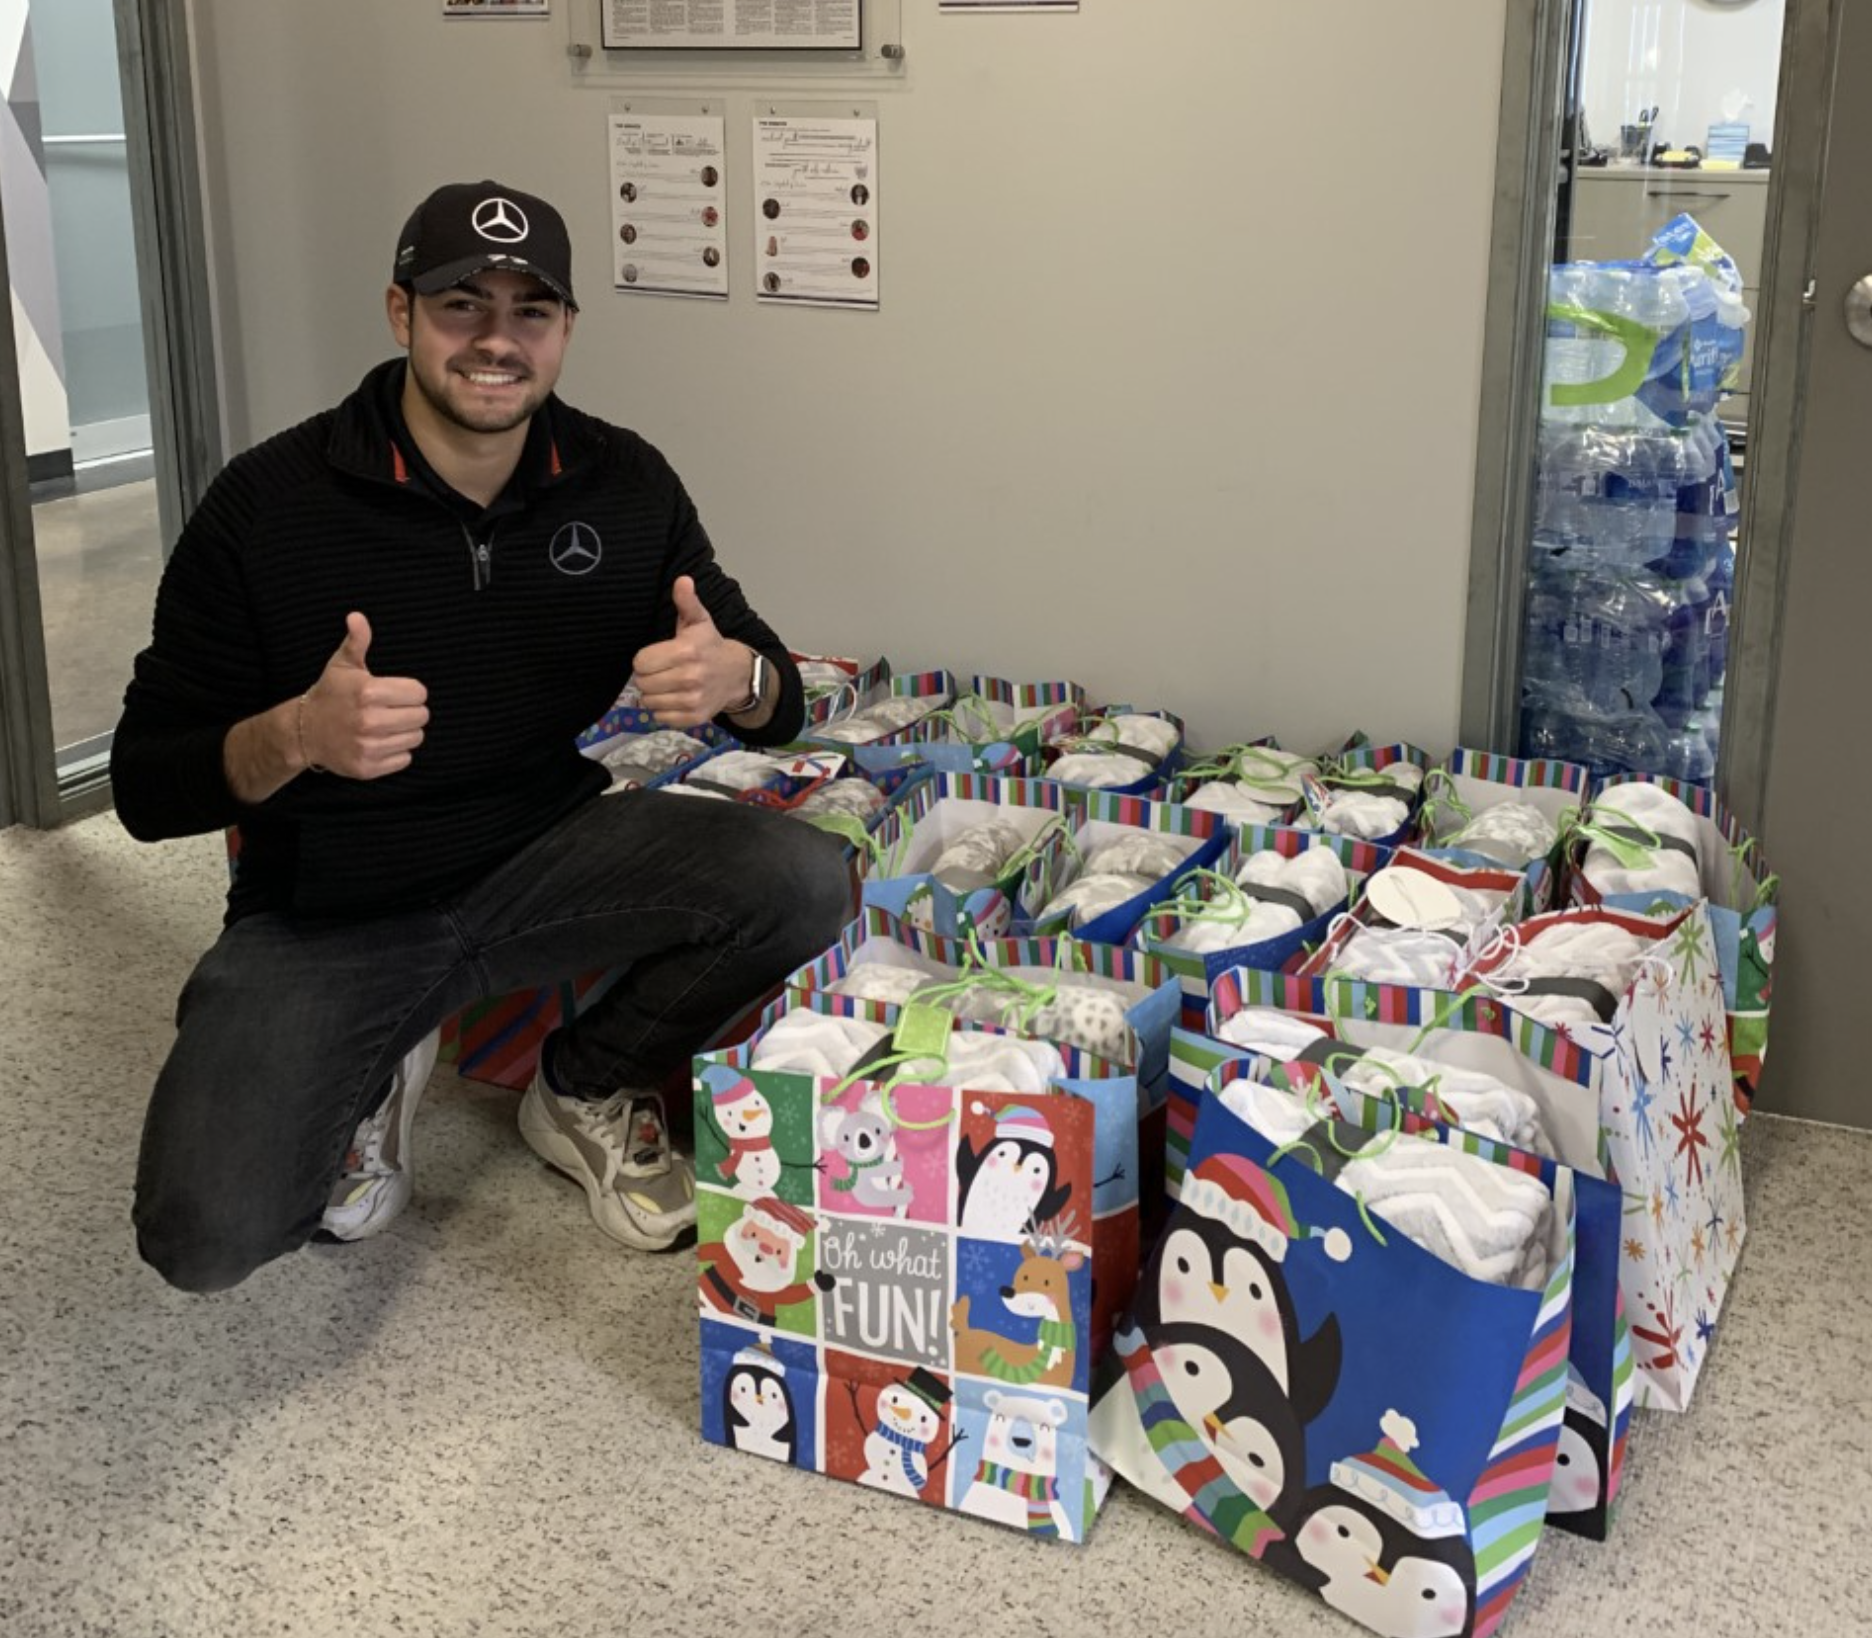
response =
{"points": [[491, 421]]}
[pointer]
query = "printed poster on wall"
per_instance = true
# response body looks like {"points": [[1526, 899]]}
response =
{"points": [[669, 236], [729, 25], [485, 9], [816, 212]]}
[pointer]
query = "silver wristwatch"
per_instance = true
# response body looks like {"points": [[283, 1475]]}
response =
{"points": [[757, 686]]}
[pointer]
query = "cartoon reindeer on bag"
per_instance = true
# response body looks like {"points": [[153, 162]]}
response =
{"points": [[1040, 1290]]}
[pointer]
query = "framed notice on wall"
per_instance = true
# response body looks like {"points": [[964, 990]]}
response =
{"points": [[729, 25]]}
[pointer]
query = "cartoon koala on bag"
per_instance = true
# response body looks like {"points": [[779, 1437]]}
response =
{"points": [[864, 1139]]}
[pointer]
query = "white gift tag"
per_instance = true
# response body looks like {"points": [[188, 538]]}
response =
{"points": [[1409, 898]]}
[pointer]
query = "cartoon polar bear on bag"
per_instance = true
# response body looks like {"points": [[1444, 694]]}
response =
{"points": [[1017, 1481]]}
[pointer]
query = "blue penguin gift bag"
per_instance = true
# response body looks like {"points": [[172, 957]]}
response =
{"points": [[1373, 1419]]}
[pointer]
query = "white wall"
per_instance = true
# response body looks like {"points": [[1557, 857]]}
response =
{"points": [[1681, 57], [1174, 389]]}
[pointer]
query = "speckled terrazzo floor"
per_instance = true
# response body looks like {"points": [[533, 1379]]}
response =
{"points": [[483, 1422]]}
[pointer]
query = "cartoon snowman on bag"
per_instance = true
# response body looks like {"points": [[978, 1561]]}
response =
{"points": [[751, 1168]]}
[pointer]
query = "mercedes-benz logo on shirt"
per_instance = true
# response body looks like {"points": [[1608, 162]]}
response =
{"points": [[575, 549], [500, 220]]}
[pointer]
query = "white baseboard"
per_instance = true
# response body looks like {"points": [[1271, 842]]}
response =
{"points": [[110, 440]]}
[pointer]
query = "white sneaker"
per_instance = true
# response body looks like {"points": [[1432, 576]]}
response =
{"points": [[640, 1191], [378, 1175]]}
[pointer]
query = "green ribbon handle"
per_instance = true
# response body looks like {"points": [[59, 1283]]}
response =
{"points": [[1639, 341], [1631, 854], [1439, 793], [852, 829]]}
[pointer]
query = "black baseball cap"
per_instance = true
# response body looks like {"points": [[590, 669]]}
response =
{"points": [[465, 228]]}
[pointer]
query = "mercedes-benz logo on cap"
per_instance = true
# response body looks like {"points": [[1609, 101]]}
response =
{"points": [[500, 220], [576, 549]]}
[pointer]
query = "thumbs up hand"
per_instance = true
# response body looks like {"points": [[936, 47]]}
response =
{"points": [[697, 673], [355, 723]]}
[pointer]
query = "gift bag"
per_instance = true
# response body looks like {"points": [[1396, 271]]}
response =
{"points": [[1463, 815], [900, 713], [1305, 1382], [1111, 1005], [1741, 891], [1031, 714], [1118, 749], [930, 1314], [1346, 798], [915, 875], [1446, 910], [1590, 1467], [1197, 970], [1162, 843], [1643, 1098], [836, 686]]}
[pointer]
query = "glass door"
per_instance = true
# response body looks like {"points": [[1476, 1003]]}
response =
{"points": [[95, 258], [1646, 370]]}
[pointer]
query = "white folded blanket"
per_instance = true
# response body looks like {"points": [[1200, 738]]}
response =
{"points": [[1603, 955], [1242, 803], [1151, 737], [639, 758], [1513, 832], [978, 855], [1277, 889], [812, 1043], [1398, 955], [1489, 1221], [1100, 768], [1369, 813], [1631, 810], [1140, 853], [881, 981], [1276, 1035], [857, 797], [1476, 1102], [990, 1063], [1090, 896], [742, 770], [879, 720]]}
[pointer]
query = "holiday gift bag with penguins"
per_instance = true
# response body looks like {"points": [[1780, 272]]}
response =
{"points": [[1741, 893], [1101, 998], [896, 1276], [1376, 1420], [1643, 1098], [1589, 1470]]}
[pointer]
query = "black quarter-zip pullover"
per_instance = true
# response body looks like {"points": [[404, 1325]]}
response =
{"points": [[521, 619]]}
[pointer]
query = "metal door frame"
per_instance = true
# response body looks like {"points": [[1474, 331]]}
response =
{"points": [[168, 225], [1527, 178]]}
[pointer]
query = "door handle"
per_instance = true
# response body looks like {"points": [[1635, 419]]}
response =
{"points": [[1683, 193], [1859, 311]]}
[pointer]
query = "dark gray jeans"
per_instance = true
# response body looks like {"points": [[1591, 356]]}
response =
{"points": [[288, 1029]]}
